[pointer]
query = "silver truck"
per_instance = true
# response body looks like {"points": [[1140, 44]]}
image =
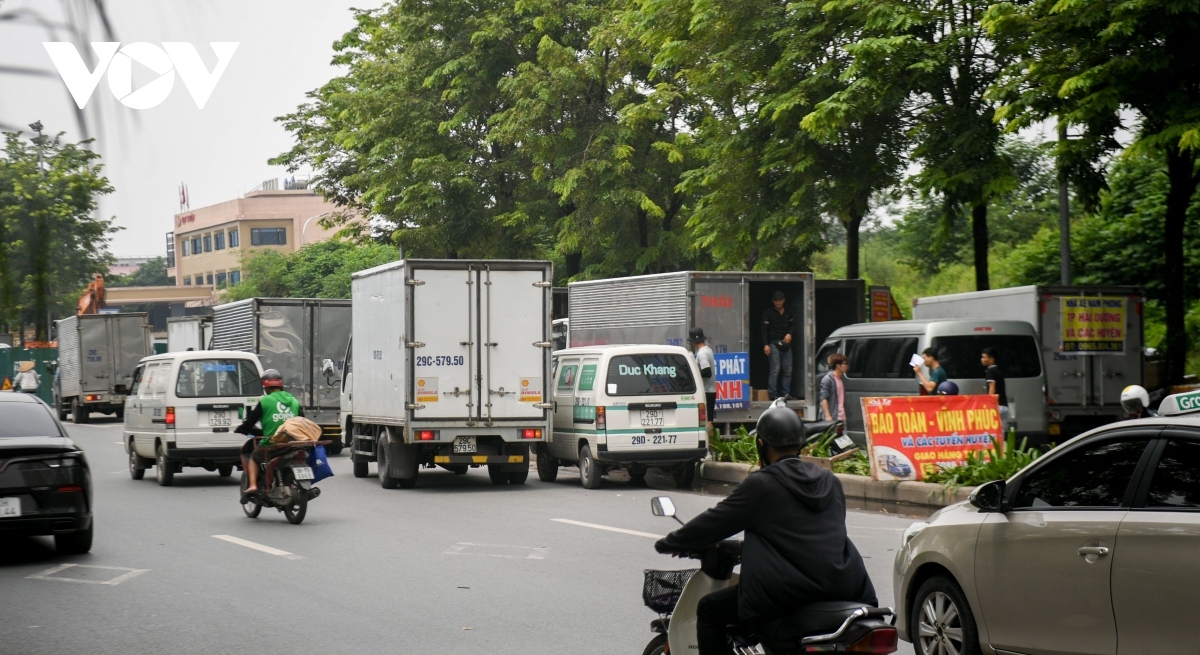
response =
{"points": [[304, 339], [451, 367], [728, 306], [96, 357], [1085, 373], [188, 333]]}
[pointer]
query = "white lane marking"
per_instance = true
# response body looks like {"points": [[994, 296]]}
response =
{"points": [[119, 443], [48, 574], [871, 527], [609, 528], [461, 547], [259, 547]]}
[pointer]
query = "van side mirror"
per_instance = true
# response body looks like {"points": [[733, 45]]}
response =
{"points": [[327, 368], [662, 506], [988, 497]]}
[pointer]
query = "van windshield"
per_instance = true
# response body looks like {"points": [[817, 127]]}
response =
{"points": [[650, 374], [1019, 356], [218, 378]]}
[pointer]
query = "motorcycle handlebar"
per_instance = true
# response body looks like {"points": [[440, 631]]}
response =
{"points": [[726, 547]]}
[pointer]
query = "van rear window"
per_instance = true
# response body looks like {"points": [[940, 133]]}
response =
{"points": [[218, 378], [649, 374], [1019, 355]]}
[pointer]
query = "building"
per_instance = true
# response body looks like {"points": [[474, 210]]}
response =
{"points": [[208, 244], [127, 265]]}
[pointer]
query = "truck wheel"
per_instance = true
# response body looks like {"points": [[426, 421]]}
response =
{"points": [[381, 457], [360, 465], [684, 475], [334, 448], [589, 470], [164, 468], [120, 414], [62, 411], [547, 466], [497, 474], [79, 414], [136, 470], [517, 477], [225, 471]]}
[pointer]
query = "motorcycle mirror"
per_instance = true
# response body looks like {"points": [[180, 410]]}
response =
{"points": [[662, 506]]}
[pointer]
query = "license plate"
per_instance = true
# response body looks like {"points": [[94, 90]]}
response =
{"points": [[464, 444], [653, 418], [218, 419], [843, 442], [10, 508], [302, 473]]}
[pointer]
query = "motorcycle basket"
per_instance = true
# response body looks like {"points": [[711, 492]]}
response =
{"points": [[662, 588]]}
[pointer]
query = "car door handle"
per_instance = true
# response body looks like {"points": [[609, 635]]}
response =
{"points": [[1093, 550]]}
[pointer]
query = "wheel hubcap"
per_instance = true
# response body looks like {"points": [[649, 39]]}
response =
{"points": [[939, 629]]}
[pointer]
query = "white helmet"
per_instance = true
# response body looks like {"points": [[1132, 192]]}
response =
{"points": [[1134, 399]]}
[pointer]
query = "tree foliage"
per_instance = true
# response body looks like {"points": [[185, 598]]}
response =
{"points": [[318, 270], [150, 274]]}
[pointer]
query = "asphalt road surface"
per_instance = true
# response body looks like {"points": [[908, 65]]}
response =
{"points": [[453, 566]]}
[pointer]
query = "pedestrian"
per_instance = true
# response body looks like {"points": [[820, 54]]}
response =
{"points": [[708, 368], [937, 374], [777, 344], [833, 391], [994, 383], [27, 380]]}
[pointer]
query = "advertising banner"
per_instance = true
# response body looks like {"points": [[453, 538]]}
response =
{"points": [[1093, 325], [733, 381], [909, 437], [881, 304]]}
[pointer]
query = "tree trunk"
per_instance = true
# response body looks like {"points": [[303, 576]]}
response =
{"points": [[979, 239], [852, 224], [573, 261], [643, 226], [1181, 170]]}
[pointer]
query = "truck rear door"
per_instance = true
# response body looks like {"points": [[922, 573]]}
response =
{"points": [[129, 347], [330, 332], [513, 324], [95, 355], [445, 343]]}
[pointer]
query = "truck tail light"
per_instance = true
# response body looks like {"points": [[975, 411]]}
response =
{"points": [[426, 435], [703, 412], [530, 433], [601, 420], [91, 398], [170, 420]]}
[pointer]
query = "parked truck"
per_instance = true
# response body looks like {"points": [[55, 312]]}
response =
{"points": [[188, 333], [451, 367], [728, 306], [96, 357], [304, 339], [1090, 339]]}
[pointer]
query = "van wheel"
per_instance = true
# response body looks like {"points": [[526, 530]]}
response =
{"points": [[589, 470], [136, 470], [942, 620], [684, 475], [547, 466], [381, 457], [637, 475], [164, 468], [225, 471]]}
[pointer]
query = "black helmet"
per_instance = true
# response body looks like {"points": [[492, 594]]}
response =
{"points": [[272, 378], [696, 335], [780, 426]]}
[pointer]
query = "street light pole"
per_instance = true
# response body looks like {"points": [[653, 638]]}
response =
{"points": [[305, 228]]}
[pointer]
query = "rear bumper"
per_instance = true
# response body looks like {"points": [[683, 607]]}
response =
{"points": [[218, 455], [479, 459], [45, 525], [603, 454]]}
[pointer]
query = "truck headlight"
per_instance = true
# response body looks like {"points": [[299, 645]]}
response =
{"points": [[912, 531]]}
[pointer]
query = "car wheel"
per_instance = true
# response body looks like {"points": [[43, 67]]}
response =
{"points": [[225, 471], [684, 475], [941, 619], [136, 470], [547, 466], [74, 543], [385, 479], [590, 472], [164, 468]]}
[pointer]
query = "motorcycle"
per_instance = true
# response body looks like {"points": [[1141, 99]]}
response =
{"points": [[825, 627], [289, 476]]}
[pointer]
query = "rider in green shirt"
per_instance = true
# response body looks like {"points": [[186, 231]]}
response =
{"points": [[275, 407]]}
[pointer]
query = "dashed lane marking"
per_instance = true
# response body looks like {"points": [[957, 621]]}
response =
{"points": [[49, 574], [259, 547], [609, 528], [495, 550]]}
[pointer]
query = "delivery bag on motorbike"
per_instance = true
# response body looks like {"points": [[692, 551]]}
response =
{"points": [[319, 463]]}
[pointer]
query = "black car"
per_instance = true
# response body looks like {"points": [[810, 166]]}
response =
{"points": [[45, 484]]}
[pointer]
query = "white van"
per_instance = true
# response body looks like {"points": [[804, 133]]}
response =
{"points": [[625, 407], [879, 355], [183, 408]]}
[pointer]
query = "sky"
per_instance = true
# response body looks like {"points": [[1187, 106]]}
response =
{"points": [[220, 151]]}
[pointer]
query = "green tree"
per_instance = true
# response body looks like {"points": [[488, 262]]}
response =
{"points": [[150, 274], [318, 270], [51, 243], [1086, 60]]}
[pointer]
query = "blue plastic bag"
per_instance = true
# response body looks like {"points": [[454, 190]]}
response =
{"points": [[319, 463]]}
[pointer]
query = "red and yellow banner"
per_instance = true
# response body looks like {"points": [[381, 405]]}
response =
{"points": [[909, 437]]}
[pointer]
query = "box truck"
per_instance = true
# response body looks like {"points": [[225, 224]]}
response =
{"points": [[96, 357], [188, 333], [1090, 339], [302, 338], [451, 366]]}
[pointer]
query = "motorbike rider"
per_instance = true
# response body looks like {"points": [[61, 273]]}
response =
{"points": [[1135, 400], [275, 407], [796, 550]]}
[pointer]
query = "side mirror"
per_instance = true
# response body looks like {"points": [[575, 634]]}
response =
{"points": [[988, 497], [662, 506], [327, 368]]}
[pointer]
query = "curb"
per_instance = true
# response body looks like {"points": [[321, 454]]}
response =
{"points": [[921, 494]]}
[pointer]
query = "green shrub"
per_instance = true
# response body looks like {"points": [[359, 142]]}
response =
{"points": [[986, 466], [741, 450], [860, 464]]}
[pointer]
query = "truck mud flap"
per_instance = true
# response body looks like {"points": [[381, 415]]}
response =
{"points": [[403, 460]]}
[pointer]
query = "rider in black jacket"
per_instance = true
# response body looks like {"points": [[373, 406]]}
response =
{"points": [[796, 549]]}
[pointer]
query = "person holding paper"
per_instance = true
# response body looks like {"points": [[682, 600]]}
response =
{"points": [[937, 374]]}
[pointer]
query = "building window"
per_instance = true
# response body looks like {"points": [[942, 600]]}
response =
{"points": [[233, 238], [268, 236], [220, 280], [219, 241], [187, 247], [196, 246], [235, 277], [208, 243], [187, 281], [199, 280], [210, 280]]}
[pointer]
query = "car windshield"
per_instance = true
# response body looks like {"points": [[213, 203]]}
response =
{"points": [[27, 420], [650, 374], [1019, 356], [218, 378]]}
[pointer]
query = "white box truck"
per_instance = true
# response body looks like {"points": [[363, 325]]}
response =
{"points": [[188, 333], [96, 357], [1091, 343], [451, 367]]}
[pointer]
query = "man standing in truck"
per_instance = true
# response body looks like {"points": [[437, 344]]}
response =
{"points": [[777, 344]]}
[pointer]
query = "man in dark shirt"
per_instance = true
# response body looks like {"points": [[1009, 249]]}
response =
{"points": [[994, 381], [777, 340]]}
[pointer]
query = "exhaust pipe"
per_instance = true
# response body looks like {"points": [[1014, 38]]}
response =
{"points": [[314, 492]]}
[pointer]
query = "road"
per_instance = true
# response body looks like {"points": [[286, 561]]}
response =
{"points": [[453, 566]]}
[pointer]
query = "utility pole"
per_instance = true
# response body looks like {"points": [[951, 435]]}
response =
{"points": [[1064, 209]]}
